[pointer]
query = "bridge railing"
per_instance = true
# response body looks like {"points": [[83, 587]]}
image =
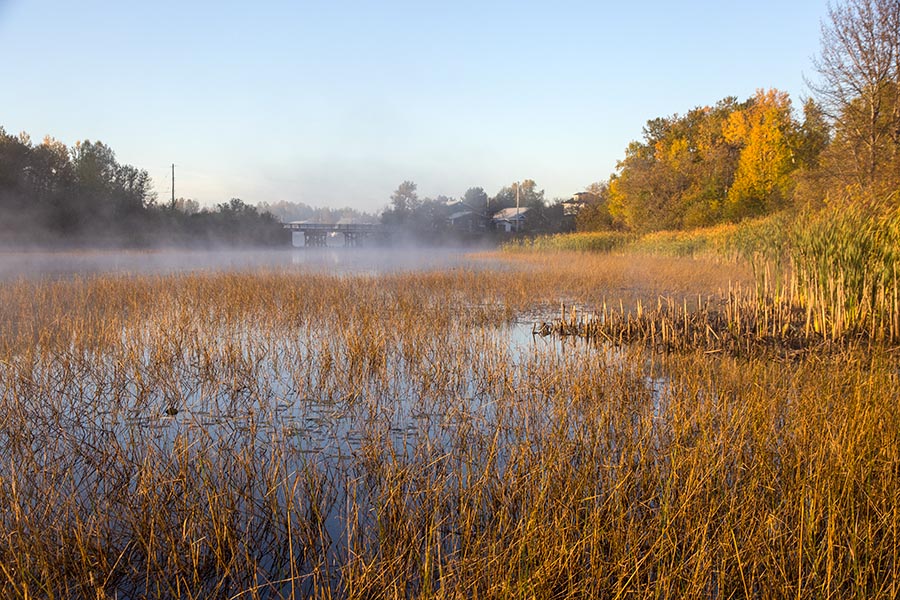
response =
{"points": [[337, 227]]}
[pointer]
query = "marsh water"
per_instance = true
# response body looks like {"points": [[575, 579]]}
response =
{"points": [[330, 399], [337, 425], [42, 264]]}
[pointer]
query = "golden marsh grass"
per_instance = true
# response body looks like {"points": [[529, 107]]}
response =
{"points": [[291, 433]]}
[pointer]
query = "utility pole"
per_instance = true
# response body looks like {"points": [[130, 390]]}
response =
{"points": [[518, 185], [173, 186]]}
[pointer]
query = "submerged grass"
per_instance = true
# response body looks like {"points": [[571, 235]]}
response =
{"points": [[292, 434]]}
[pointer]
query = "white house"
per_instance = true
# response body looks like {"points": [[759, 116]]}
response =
{"points": [[573, 207], [509, 219]]}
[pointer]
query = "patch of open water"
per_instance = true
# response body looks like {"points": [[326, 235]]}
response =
{"points": [[277, 407], [37, 264]]}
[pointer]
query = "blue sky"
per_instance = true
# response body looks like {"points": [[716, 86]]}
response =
{"points": [[335, 103]]}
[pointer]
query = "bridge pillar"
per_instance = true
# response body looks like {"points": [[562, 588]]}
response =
{"points": [[353, 239], [315, 239]]}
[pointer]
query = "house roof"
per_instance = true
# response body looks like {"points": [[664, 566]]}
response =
{"points": [[508, 214], [460, 214]]}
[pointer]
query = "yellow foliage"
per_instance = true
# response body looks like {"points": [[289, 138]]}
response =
{"points": [[736, 127], [763, 132]]}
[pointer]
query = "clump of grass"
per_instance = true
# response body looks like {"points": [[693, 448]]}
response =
{"points": [[596, 241], [738, 324], [845, 271], [697, 242], [838, 265], [747, 240]]}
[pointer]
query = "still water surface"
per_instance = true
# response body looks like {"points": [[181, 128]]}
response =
{"points": [[14, 265]]}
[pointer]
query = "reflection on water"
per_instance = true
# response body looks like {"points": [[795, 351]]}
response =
{"points": [[217, 409]]}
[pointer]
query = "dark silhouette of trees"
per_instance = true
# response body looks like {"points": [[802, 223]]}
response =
{"points": [[477, 200], [54, 195], [404, 202], [529, 196], [299, 211]]}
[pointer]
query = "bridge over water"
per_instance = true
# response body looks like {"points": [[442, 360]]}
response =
{"points": [[355, 234]]}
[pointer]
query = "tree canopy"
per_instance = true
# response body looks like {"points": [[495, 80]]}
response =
{"points": [[51, 194], [716, 163], [741, 159], [859, 90]]}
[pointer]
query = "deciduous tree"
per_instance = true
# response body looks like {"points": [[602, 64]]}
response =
{"points": [[859, 87], [404, 201], [763, 131], [595, 215], [528, 196]]}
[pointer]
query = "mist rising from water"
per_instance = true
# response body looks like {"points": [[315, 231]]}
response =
{"points": [[38, 264]]}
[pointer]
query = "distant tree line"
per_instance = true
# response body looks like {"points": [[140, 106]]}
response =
{"points": [[433, 219], [51, 194], [300, 211], [739, 159]]}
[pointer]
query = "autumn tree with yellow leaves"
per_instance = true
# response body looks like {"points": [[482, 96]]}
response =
{"points": [[766, 135], [716, 163], [744, 159], [679, 175]]}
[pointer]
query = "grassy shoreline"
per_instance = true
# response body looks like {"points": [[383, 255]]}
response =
{"points": [[840, 266]]}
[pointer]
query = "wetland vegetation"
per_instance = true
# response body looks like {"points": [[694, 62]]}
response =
{"points": [[292, 432]]}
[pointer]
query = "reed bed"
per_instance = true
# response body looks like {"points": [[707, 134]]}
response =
{"points": [[747, 239], [594, 241], [292, 434], [840, 266], [739, 324]]}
